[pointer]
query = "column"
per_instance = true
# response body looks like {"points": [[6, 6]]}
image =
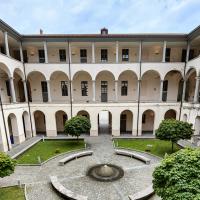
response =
{"points": [[70, 53], [140, 52], [188, 52], [45, 52], [117, 51], [72, 97], [6, 43], [161, 90], [12, 88], [116, 90], [164, 50], [25, 91], [196, 94], [93, 52], [138, 86], [49, 91], [21, 52], [184, 88], [94, 90]]}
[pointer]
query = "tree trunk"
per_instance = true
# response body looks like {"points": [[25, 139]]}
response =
{"points": [[172, 146]]}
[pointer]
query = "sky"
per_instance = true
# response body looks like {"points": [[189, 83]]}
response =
{"points": [[89, 16]]}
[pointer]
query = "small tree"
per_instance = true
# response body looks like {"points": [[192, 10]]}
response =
{"points": [[174, 130], [178, 176], [7, 165], [77, 125]]}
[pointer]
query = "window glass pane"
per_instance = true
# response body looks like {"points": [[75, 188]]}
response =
{"points": [[84, 88], [104, 55], [64, 88], [62, 54], [125, 54], [124, 88], [83, 55], [41, 56]]}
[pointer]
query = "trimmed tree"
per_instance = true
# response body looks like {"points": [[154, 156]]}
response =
{"points": [[174, 130], [178, 176], [7, 165], [77, 125]]}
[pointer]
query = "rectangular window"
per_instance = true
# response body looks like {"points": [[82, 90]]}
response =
{"points": [[64, 88], [124, 88], [83, 55], [41, 56], [165, 89], [167, 54], [104, 55], [62, 54], [125, 54], [16, 54], [191, 54], [84, 88], [8, 88]]}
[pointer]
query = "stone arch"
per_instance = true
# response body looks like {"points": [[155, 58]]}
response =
{"points": [[13, 129], [40, 122], [148, 118], [105, 122], [170, 114], [150, 86], [26, 124], [126, 122], [84, 113], [61, 118]]}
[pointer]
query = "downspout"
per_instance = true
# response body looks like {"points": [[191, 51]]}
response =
{"points": [[29, 110], [139, 87], [70, 80]]}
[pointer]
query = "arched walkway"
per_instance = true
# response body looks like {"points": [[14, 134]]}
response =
{"points": [[150, 86], [172, 86], [197, 126], [40, 122], [170, 114], [84, 113], [148, 118], [13, 129], [105, 86], [126, 122], [61, 118], [190, 85], [26, 124], [37, 90], [104, 122]]}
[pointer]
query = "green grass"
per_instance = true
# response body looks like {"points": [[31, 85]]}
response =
{"points": [[14, 192], [159, 147], [47, 149]]}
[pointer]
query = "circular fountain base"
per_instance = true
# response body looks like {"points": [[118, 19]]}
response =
{"points": [[105, 172]]}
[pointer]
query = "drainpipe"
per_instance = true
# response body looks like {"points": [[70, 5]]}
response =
{"points": [[28, 102], [139, 86], [70, 80]]}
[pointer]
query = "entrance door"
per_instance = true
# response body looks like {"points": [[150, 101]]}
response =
{"points": [[123, 123], [44, 91], [104, 91]]}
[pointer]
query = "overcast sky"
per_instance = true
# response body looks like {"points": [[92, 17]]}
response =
{"points": [[88, 16]]}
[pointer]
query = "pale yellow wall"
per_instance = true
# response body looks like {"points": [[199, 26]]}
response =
{"points": [[148, 54]]}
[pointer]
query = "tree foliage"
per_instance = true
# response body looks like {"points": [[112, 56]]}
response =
{"points": [[7, 165], [178, 176], [174, 130], [77, 125]]}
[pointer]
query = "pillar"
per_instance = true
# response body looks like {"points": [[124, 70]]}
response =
{"points": [[72, 96], [184, 88], [45, 52], [196, 94], [138, 87], [164, 50], [116, 90], [161, 90], [117, 51], [140, 52], [94, 90], [70, 53], [93, 52], [12, 88], [21, 52], [51, 128], [6, 43], [49, 91], [25, 91]]}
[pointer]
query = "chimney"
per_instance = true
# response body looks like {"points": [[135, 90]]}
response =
{"points": [[104, 31], [41, 31]]}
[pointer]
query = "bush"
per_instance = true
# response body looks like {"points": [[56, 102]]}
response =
{"points": [[7, 165], [174, 130], [178, 176], [77, 125]]}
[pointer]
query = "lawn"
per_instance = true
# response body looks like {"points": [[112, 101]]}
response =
{"points": [[159, 147], [14, 192], [48, 149]]}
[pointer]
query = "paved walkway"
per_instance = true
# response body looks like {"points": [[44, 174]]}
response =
{"points": [[137, 176]]}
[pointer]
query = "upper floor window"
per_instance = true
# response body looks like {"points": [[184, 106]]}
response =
{"points": [[8, 87], [183, 56], [124, 88], [167, 54], [62, 54], [83, 55], [84, 88], [125, 54], [41, 55], [104, 55], [64, 88]]}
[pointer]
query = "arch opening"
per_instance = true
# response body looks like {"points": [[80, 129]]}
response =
{"points": [[26, 124], [13, 129], [104, 122], [84, 113], [40, 122], [61, 118], [170, 114], [126, 122], [148, 117]]}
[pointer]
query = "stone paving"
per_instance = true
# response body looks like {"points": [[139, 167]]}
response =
{"points": [[137, 175]]}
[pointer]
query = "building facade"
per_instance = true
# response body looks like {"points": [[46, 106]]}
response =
{"points": [[139, 79]]}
